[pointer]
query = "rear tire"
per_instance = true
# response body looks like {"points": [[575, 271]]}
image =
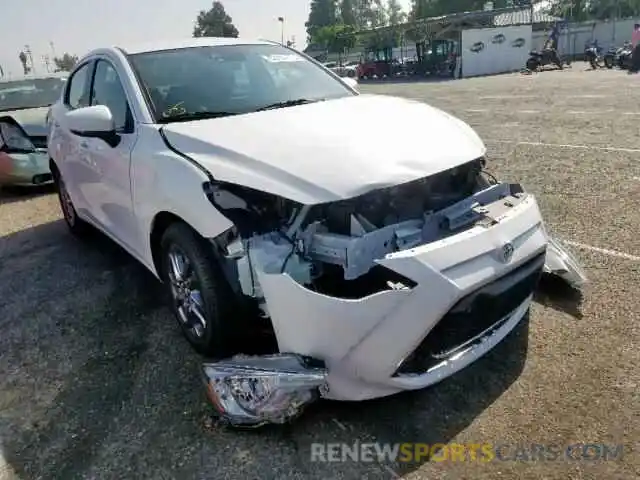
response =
{"points": [[202, 300], [76, 225], [532, 64]]}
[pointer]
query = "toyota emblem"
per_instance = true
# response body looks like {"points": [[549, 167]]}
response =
{"points": [[507, 252]]}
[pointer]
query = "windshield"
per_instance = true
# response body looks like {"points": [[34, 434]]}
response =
{"points": [[230, 80], [30, 93]]}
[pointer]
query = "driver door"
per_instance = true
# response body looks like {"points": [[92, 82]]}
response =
{"points": [[109, 192]]}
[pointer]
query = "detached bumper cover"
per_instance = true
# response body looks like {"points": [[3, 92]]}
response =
{"points": [[473, 318], [363, 341], [468, 291]]}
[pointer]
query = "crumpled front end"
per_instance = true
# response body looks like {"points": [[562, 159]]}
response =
{"points": [[401, 288]]}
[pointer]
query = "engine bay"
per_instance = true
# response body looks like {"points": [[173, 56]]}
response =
{"points": [[332, 248]]}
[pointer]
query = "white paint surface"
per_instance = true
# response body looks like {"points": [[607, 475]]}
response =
{"points": [[315, 153], [495, 57]]}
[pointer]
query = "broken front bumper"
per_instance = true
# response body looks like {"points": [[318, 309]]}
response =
{"points": [[471, 290]]}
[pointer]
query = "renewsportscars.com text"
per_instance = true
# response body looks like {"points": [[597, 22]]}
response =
{"points": [[458, 452]]}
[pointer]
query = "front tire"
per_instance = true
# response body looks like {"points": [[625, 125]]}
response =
{"points": [[532, 64], [76, 225], [201, 298]]}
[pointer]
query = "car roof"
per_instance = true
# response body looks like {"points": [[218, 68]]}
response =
{"points": [[188, 43]]}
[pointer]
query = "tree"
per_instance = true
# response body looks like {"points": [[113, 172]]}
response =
{"points": [[324, 13], [378, 14], [578, 10], [336, 38], [370, 13], [348, 12], [65, 63], [215, 23], [23, 60], [420, 9], [395, 14]]}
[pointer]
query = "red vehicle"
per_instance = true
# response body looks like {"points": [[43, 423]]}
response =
{"points": [[375, 68], [377, 63]]}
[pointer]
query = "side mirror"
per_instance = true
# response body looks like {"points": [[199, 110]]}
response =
{"points": [[93, 122], [351, 82]]}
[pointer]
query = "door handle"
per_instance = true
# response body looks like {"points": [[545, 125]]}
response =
{"points": [[84, 145]]}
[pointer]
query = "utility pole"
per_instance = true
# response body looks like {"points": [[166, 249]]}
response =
{"points": [[570, 45], [531, 12], [281, 20], [47, 62], [53, 50], [27, 49]]}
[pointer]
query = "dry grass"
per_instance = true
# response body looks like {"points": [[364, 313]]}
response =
{"points": [[95, 381]]}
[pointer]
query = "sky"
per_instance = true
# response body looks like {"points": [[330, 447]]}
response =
{"points": [[77, 26]]}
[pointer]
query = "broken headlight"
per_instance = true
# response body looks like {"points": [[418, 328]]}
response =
{"points": [[251, 211], [253, 391], [561, 262]]}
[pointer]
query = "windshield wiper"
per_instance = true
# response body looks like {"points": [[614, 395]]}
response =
{"points": [[188, 116], [288, 103]]}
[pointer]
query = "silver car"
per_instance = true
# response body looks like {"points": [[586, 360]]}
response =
{"points": [[24, 104]]}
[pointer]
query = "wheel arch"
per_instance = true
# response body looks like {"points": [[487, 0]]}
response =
{"points": [[161, 221], [159, 225], [55, 171]]}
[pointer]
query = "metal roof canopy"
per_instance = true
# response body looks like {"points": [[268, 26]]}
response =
{"points": [[437, 26]]}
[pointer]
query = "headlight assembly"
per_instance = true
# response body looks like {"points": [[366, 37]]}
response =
{"points": [[253, 391], [13, 138]]}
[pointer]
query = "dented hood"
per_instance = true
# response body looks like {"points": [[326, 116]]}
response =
{"points": [[330, 150]]}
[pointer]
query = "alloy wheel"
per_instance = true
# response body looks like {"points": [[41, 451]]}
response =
{"points": [[66, 204], [186, 293]]}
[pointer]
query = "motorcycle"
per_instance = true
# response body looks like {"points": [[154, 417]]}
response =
{"points": [[543, 58], [619, 57], [593, 55]]}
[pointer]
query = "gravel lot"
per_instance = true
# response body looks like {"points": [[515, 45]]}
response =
{"points": [[96, 381]]}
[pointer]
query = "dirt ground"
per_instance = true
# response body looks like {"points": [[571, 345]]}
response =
{"points": [[96, 381]]}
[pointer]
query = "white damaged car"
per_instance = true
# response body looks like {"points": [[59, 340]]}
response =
{"points": [[244, 174]]}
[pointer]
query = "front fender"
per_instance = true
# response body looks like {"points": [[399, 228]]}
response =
{"points": [[163, 181]]}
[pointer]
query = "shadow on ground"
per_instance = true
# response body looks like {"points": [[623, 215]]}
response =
{"points": [[20, 194], [436, 414], [103, 385], [555, 293]]}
